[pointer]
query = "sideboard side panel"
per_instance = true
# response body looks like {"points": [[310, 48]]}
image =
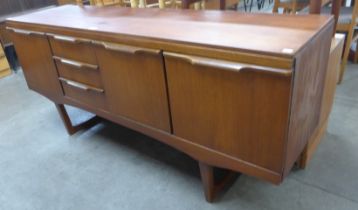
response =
{"points": [[309, 79]]}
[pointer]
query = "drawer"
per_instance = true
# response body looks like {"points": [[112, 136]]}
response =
{"points": [[3, 63], [84, 94], [73, 48], [78, 71]]}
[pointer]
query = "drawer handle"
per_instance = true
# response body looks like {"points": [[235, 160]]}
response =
{"points": [[80, 85], [69, 39], [25, 32], [125, 48], [227, 65], [76, 64]]}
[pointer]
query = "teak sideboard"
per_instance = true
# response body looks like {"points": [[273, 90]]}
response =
{"points": [[237, 91]]}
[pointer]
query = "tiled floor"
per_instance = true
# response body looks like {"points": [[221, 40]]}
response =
{"points": [[110, 167]]}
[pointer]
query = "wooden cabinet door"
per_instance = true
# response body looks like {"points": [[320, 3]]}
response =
{"points": [[134, 80], [35, 56], [238, 109]]}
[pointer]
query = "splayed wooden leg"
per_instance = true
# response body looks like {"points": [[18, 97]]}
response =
{"points": [[72, 129]]}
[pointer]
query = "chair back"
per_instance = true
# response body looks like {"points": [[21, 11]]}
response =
{"points": [[100, 2], [155, 4], [316, 5]]}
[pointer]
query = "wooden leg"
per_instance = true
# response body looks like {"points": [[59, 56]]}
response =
{"points": [[345, 55], [212, 188], [312, 145], [72, 129], [302, 161], [355, 58]]}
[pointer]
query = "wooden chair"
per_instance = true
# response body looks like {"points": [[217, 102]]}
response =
{"points": [[165, 4], [154, 4], [101, 2], [347, 21], [290, 6], [355, 40]]}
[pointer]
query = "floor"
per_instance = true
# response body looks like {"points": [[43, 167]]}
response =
{"points": [[111, 167]]}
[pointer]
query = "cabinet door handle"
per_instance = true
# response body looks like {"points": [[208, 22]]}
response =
{"points": [[69, 39], [227, 65], [25, 32], [76, 64], [80, 85], [125, 48]]}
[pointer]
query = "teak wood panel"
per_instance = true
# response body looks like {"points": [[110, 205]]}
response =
{"points": [[281, 31], [134, 81], [242, 113], [307, 94], [327, 100], [35, 55]]}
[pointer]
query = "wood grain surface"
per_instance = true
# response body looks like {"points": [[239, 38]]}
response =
{"points": [[221, 30]]}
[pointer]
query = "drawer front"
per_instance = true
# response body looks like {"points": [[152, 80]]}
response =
{"points": [[238, 109], [84, 94], [78, 71], [134, 81], [73, 48]]}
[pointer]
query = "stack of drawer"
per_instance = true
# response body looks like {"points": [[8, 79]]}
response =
{"points": [[78, 70], [4, 65]]}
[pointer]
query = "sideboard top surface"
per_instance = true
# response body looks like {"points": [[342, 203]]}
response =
{"points": [[280, 35]]}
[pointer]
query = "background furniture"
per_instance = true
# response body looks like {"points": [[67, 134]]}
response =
{"points": [[15, 6], [63, 2], [10, 8], [347, 22], [4, 65], [102, 2], [290, 6], [214, 99]]}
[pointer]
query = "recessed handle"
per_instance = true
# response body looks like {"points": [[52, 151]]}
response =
{"points": [[76, 64], [125, 48], [81, 86], [69, 39], [227, 65], [25, 32]]}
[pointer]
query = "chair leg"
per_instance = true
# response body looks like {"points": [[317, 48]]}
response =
{"points": [[355, 58], [72, 129], [345, 55], [294, 7], [211, 188]]}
